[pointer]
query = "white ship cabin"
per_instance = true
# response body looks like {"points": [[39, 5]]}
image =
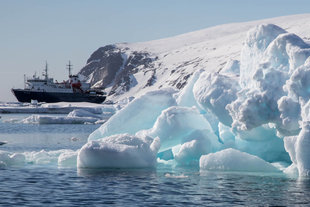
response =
{"points": [[47, 84]]}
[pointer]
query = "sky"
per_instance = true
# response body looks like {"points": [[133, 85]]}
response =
{"points": [[56, 31]]}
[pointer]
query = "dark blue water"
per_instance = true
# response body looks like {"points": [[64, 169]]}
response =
{"points": [[48, 185]]}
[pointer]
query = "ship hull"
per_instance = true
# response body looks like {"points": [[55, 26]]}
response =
{"points": [[49, 97]]}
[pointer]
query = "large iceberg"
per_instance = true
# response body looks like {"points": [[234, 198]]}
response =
{"points": [[253, 112]]}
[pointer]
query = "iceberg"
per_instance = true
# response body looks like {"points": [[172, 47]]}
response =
{"points": [[250, 113]]}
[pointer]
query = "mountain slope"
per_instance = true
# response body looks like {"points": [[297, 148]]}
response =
{"points": [[131, 69]]}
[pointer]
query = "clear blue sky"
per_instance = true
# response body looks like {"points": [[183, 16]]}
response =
{"points": [[32, 31]]}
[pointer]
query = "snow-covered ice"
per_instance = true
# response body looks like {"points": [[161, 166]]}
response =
{"points": [[119, 151]]}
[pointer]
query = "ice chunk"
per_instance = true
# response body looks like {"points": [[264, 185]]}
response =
{"points": [[68, 159], [119, 151], [190, 152], [11, 159], [139, 114], [43, 119], [234, 160], [214, 91], [83, 113], [177, 125], [44, 157]]}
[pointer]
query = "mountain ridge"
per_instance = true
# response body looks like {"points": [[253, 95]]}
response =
{"points": [[131, 69]]}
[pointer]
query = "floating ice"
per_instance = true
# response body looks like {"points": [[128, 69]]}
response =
{"points": [[44, 157], [119, 151], [11, 159], [139, 114], [43, 119], [83, 113], [190, 152], [77, 116], [234, 160], [68, 159]]}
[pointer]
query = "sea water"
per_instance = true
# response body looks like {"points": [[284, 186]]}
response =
{"points": [[48, 185]]}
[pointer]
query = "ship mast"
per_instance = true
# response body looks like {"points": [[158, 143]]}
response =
{"points": [[45, 70], [69, 67]]}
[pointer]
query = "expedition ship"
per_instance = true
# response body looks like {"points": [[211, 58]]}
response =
{"points": [[46, 90]]}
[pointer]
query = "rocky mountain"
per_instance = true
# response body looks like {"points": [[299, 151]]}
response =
{"points": [[131, 69]]}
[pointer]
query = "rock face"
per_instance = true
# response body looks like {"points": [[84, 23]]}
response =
{"points": [[112, 66], [103, 65]]}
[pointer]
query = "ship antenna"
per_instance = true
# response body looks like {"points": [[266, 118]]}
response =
{"points": [[69, 67], [24, 80], [46, 69]]}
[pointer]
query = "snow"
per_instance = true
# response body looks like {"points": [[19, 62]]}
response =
{"points": [[234, 160]]}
